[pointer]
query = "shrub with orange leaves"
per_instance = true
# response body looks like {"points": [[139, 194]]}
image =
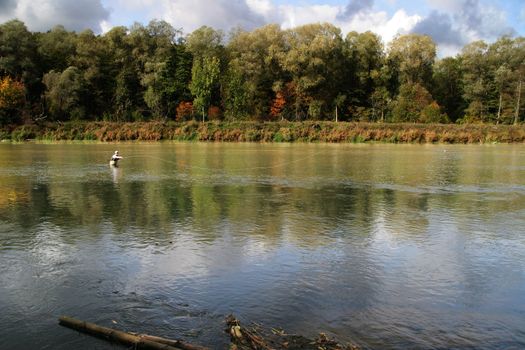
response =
{"points": [[12, 98], [184, 111], [277, 106], [12, 94], [214, 113]]}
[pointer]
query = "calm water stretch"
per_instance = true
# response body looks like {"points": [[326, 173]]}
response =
{"points": [[388, 246]]}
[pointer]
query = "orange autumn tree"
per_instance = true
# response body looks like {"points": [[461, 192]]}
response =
{"points": [[184, 111], [214, 113], [277, 106], [12, 98], [286, 98]]}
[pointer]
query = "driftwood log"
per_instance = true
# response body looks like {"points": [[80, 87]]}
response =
{"points": [[139, 341]]}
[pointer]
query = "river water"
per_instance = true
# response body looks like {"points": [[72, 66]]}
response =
{"points": [[386, 246]]}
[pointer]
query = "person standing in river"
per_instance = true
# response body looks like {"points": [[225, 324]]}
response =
{"points": [[115, 158]]}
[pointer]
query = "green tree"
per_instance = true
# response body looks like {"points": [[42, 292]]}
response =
{"points": [[167, 82], [19, 57], [205, 78], [314, 63], [127, 95], [476, 82], [413, 56], [415, 104], [518, 67], [56, 48], [18, 54], [206, 47], [254, 71], [93, 60], [381, 101], [506, 59], [160, 67], [338, 103], [66, 93], [206, 42], [447, 87], [235, 95], [176, 78], [502, 79], [364, 58]]}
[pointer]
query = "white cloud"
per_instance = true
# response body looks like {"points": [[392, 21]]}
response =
{"points": [[479, 20], [262, 7], [400, 23], [41, 15], [250, 14], [371, 21], [446, 5], [105, 26], [448, 50], [355, 8], [293, 16], [380, 23], [457, 23], [219, 14], [290, 16], [135, 4]]}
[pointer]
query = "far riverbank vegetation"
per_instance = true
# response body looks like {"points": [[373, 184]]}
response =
{"points": [[309, 83], [256, 131]]}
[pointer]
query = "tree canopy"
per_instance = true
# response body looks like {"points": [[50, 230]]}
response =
{"points": [[311, 72]]}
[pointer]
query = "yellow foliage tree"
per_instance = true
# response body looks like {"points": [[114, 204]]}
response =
{"points": [[12, 97]]}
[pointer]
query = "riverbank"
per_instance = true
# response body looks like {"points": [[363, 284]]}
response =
{"points": [[341, 132]]}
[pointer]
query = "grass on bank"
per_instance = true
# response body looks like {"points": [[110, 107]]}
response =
{"points": [[332, 132]]}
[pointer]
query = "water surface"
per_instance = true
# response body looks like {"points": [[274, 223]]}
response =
{"points": [[387, 246]]}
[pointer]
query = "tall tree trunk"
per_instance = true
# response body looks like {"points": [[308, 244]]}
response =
{"points": [[499, 108], [336, 114], [517, 112], [481, 111]]}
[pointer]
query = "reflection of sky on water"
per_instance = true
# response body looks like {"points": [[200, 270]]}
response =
{"points": [[392, 246]]}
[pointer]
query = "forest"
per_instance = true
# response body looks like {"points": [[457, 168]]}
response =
{"points": [[308, 73]]}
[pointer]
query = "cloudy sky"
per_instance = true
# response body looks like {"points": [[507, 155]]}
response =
{"points": [[452, 23]]}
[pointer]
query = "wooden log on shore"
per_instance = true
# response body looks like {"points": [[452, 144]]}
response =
{"points": [[139, 341]]}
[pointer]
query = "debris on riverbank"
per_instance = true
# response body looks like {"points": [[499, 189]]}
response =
{"points": [[256, 338]]}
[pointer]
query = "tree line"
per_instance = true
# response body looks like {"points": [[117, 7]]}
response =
{"points": [[311, 72]]}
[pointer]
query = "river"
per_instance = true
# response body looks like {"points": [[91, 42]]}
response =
{"points": [[386, 246]]}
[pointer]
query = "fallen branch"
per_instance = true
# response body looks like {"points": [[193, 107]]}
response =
{"points": [[139, 341]]}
